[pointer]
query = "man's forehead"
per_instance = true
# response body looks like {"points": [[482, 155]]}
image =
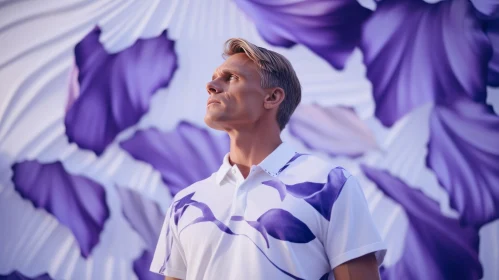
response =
{"points": [[237, 63]]}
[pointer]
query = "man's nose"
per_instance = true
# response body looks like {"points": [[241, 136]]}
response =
{"points": [[213, 88]]}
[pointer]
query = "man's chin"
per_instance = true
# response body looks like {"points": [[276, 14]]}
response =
{"points": [[212, 123]]}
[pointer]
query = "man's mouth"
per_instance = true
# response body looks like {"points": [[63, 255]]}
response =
{"points": [[210, 102]]}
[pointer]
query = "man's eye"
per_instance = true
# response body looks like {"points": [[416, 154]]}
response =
{"points": [[232, 77]]}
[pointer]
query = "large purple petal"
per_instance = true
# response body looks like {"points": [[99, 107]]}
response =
{"points": [[15, 275], [282, 225], [416, 52], [183, 156], [144, 215], [334, 130], [331, 29], [115, 89], [436, 247], [464, 153], [142, 264], [77, 202]]}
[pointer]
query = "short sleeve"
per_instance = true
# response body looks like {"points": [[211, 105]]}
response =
{"points": [[351, 231], [168, 259]]}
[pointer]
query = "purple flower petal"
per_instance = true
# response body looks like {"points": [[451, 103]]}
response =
{"points": [[183, 156], [282, 225], [144, 215], [115, 89], [333, 130], [464, 153], [77, 202], [15, 275], [416, 52], [493, 34], [331, 29], [141, 267], [436, 247]]}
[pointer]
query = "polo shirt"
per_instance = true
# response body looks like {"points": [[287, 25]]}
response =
{"points": [[295, 216]]}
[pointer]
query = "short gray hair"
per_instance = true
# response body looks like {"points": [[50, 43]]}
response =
{"points": [[275, 71]]}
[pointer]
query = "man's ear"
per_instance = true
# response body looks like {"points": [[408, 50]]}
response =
{"points": [[274, 98]]}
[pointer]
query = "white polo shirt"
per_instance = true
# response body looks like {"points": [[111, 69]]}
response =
{"points": [[294, 217]]}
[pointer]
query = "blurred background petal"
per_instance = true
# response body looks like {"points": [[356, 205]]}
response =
{"points": [[333, 130], [464, 153], [435, 247], [142, 264], [416, 52], [183, 156], [146, 218]]}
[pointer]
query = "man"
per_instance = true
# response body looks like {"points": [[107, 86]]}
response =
{"points": [[268, 212]]}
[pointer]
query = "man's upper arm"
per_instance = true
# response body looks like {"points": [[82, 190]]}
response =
{"points": [[351, 232], [168, 257], [361, 268]]}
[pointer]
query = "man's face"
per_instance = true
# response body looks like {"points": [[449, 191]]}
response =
{"points": [[236, 96]]}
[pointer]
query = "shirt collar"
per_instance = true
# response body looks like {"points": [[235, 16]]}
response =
{"points": [[272, 164], [224, 168]]}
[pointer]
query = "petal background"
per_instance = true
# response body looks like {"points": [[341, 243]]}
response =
{"points": [[146, 218], [471, 175], [427, 52], [37, 73], [332, 130], [197, 153], [331, 29], [110, 98], [439, 244], [77, 202]]}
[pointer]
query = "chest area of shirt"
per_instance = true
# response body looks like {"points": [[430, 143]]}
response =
{"points": [[259, 213]]}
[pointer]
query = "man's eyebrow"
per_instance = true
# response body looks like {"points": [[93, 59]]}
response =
{"points": [[225, 72]]}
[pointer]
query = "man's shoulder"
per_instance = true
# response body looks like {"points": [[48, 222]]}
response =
{"points": [[314, 168], [206, 182]]}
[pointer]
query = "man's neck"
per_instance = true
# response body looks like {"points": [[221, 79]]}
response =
{"points": [[248, 148]]}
